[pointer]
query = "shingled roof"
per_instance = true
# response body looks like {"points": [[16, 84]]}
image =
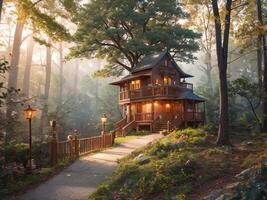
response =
{"points": [[189, 95], [149, 61]]}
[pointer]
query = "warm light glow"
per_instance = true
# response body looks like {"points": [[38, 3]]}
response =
{"points": [[135, 84], [104, 119], [156, 104], [168, 105], [29, 113], [53, 123]]}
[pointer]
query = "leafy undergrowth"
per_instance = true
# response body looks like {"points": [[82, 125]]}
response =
{"points": [[12, 184], [171, 168]]}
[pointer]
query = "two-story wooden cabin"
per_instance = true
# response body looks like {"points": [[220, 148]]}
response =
{"points": [[155, 96]]}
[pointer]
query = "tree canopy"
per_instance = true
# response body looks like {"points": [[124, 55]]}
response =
{"points": [[122, 31]]}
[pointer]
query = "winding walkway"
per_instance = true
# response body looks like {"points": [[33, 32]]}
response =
{"points": [[81, 179]]}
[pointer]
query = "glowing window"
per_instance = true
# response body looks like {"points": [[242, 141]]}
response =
{"points": [[167, 80], [135, 85]]}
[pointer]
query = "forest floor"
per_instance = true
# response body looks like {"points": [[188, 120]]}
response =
{"points": [[82, 178], [184, 165], [246, 151]]}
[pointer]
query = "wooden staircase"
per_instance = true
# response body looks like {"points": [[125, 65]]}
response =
{"points": [[161, 126]]}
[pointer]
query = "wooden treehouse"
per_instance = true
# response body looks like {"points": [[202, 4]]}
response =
{"points": [[155, 96]]}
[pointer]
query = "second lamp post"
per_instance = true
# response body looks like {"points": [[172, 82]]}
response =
{"points": [[104, 121], [30, 113]]}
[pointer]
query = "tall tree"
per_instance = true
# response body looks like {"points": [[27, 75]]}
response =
{"points": [[222, 31], [263, 42], [27, 72], [123, 31], [76, 77], [47, 86], [202, 20], [33, 12], [61, 75]]}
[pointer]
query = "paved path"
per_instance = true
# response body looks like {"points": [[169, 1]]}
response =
{"points": [[82, 178]]}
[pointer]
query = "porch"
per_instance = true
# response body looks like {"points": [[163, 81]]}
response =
{"points": [[186, 116]]}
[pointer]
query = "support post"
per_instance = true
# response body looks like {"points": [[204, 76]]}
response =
{"points": [[54, 150], [70, 141], [168, 126], [76, 143], [30, 143]]}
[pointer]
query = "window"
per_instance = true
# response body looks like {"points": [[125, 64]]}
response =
{"points": [[135, 85], [147, 108], [167, 80]]}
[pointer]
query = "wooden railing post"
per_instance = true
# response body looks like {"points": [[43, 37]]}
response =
{"points": [[103, 139], [54, 150], [53, 143], [76, 143], [113, 135], [70, 141]]}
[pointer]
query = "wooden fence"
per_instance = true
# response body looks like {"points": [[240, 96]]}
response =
{"points": [[74, 146]]}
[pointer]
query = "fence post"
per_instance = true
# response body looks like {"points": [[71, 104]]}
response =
{"points": [[103, 139], [113, 135], [53, 142], [70, 140], [76, 143]]}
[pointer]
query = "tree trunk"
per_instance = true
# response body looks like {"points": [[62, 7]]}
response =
{"points": [[12, 77], [61, 77], [27, 72], [264, 85], [264, 99], [222, 57], [1, 6], [259, 61], [47, 88], [76, 78]]}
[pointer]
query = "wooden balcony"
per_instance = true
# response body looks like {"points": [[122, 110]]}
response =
{"points": [[154, 91]]}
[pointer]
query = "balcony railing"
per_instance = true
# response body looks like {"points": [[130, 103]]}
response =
{"points": [[155, 91], [144, 117], [187, 116]]}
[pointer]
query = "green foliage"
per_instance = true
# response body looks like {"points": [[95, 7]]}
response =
{"points": [[3, 90], [168, 175], [139, 133], [248, 90], [245, 88], [124, 31], [15, 152]]}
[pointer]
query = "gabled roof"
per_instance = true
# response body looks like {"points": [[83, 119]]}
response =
{"points": [[190, 96], [129, 77], [149, 61]]}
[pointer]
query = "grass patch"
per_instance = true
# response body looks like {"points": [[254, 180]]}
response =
{"points": [[120, 140], [175, 164]]}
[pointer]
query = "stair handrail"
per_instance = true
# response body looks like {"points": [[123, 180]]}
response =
{"points": [[177, 118], [128, 127], [120, 123], [156, 122]]}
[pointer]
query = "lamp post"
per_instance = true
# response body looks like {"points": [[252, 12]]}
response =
{"points": [[104, 121], [53, 125], [30, 113]]}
